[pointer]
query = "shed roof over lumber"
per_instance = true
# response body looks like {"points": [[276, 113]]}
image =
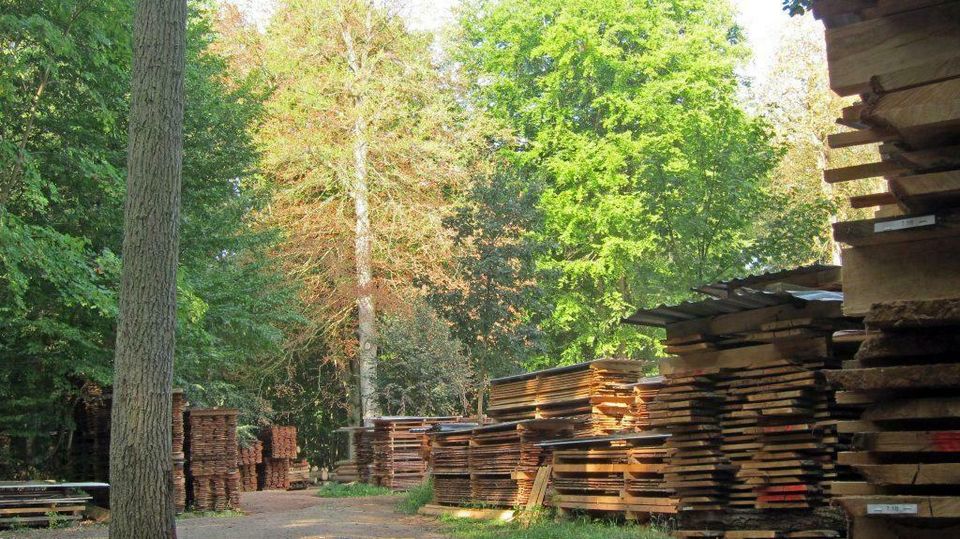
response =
{"points": [[565, 368]]}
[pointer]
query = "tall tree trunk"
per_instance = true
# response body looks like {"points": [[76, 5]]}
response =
{"points": [[141, 465], [366, 311]]}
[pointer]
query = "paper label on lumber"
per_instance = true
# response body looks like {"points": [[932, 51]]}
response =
{"points": [[892, 509], [903, 224]]}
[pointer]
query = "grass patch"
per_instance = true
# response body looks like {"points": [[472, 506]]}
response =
{"points": [[351, 490], [229, 513], [548, 528], [416, 498]]}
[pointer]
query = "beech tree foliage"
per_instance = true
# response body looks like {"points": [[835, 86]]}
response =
{"points": [[652, 171]]}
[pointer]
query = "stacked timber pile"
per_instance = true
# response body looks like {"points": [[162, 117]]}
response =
{"points": [[91, 444], [41, 503], [594, 394], [621, 473], [644, 393], [398, 463], [299, 474], [903, 59], [279, 450], [248, 458], [907, 443], [356, 468], [450, 462], [179, 457], [213, 480], [504, 459], [753, 424]]}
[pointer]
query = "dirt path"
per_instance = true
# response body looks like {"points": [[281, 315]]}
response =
{"points": [[295, 514]]}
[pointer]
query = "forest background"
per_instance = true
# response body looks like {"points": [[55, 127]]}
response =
{"points": [[377, 222]]}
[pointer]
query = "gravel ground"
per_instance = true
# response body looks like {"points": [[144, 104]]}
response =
{"points": [[294, 514]]}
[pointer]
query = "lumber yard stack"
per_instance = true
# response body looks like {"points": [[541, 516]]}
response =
{"points": [[179, 457], [902, 57], [247, 460], [504, 459], [298, 476], [356, 468], [620, 473], [46, 504], [213, 480], [594, 394], [279, 449], [644, 393], [450, 462], [753, 426], [398, 463], [907, 442]]}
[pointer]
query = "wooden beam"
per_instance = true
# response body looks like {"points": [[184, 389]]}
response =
{"points": [[905, 377], [872, 200], [858, 172]]}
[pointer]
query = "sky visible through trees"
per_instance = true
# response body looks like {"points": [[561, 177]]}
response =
{"points": [[560, 164]]}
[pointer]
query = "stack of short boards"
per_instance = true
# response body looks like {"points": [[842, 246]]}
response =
{"points": [[279, 449], [213, 479], [398, 463], [620, 473], [594, 395], [902, 57], [42, 504], [179, 457], [644, 393], [907, 442], [248, 458], [504, 459], [298, 476], [360, 450], [450, 462], [753, 425]]}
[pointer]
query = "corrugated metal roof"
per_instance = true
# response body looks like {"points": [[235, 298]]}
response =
{"points": [[722, 288], [743, 299]]}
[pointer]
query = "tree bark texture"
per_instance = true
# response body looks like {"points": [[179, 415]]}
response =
{"points": [[359, 191], [141, 465]]}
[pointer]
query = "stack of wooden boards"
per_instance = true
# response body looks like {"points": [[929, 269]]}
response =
{"points": [[179, 457], [299, 475], [279, 449], [504, 458], [903, 59], [620, 473], [42, 504], [397, 459], [644, 393], [450, 463], [213, 479], [360, 450], [247, 460], [753, 424], [594, 394], [907, 442]]}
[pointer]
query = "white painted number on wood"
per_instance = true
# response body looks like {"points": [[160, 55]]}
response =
{"points": [[892, 509], [902, 224]]}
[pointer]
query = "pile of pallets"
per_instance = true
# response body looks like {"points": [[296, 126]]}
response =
{"points": [[504, 459], [248, 458], [907, 443], [213, 479], [450, 463], [621, 473], [902, 58], [398, 462], [42, 504], [594, 394]]}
